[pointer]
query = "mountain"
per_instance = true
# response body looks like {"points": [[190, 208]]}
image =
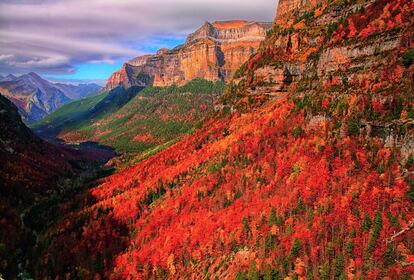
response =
{"points": [[9, 77], [82, 113], [31, 171], [213, 52], [36, 97], [146, 119], [306, 172], [28, 165], [76, 92]]}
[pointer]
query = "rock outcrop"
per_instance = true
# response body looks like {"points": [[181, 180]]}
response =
{"points": [[338, 52], [314, 42], [213, 52]]}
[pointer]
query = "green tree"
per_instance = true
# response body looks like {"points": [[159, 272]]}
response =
{"points": [[324, 272], [241, 276], [367, 223], [297, 245], [253, 272], [376, 232], [339, 266], [271, 220]]}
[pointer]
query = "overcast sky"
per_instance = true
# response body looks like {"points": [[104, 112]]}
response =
{"points": [[89, 39]]}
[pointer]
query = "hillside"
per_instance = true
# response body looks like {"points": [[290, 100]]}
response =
{"points": [[33, 170], [36, 97], [213, 52], [79, 115], [27, 165], [27, 162], [307, 172], [152, 117]]}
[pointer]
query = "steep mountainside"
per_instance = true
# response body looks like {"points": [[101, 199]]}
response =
{"points": [[307, 171], [28, 165], [31, 170], [36, 97], [154, 117], [79, 115], [213, 52], [22, 151]]}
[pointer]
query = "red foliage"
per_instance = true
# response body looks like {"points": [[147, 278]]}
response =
{"points": [[246, 188], [213, 188], [381, 17]]}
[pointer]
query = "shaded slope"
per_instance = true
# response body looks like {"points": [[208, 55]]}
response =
{"points": [[27, 162], [33, 170], [28, 168]]}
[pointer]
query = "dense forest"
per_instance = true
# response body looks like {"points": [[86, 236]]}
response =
{"points": [[302, 167]]}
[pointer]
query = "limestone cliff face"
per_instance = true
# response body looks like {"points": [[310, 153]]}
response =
{"points": [[213, 52], [300, 47], [130, 75], [287, 8], [338, 51]]}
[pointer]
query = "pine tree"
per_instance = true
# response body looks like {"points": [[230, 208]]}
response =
{"points": [[253, 272], [272, 218], [297, 245]]}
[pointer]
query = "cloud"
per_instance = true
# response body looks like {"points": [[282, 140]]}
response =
{"points": [[6, 57], [53, 36]]}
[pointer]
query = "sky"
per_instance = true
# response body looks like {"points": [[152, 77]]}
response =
{"points": [[87, 40]]}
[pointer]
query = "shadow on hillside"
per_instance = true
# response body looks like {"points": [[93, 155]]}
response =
{"points": [[86, 153]]}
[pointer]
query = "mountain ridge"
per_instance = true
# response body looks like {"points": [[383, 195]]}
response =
{"points": [[36, 97], [213, 52]]}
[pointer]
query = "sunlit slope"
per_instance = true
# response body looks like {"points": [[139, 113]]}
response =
{"points": [[152, 117], [80, 114]]}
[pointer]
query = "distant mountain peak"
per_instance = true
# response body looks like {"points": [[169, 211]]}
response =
{"points": [[36, 97], [33, 74], [9, 77]]}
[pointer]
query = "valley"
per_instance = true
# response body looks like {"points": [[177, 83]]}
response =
{"points": [[33, 171], [252, 151], [134, 120]]}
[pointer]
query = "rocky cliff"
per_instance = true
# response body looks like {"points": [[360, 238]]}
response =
{"points": [[351, 63], [213, 52], [314, 45]]}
